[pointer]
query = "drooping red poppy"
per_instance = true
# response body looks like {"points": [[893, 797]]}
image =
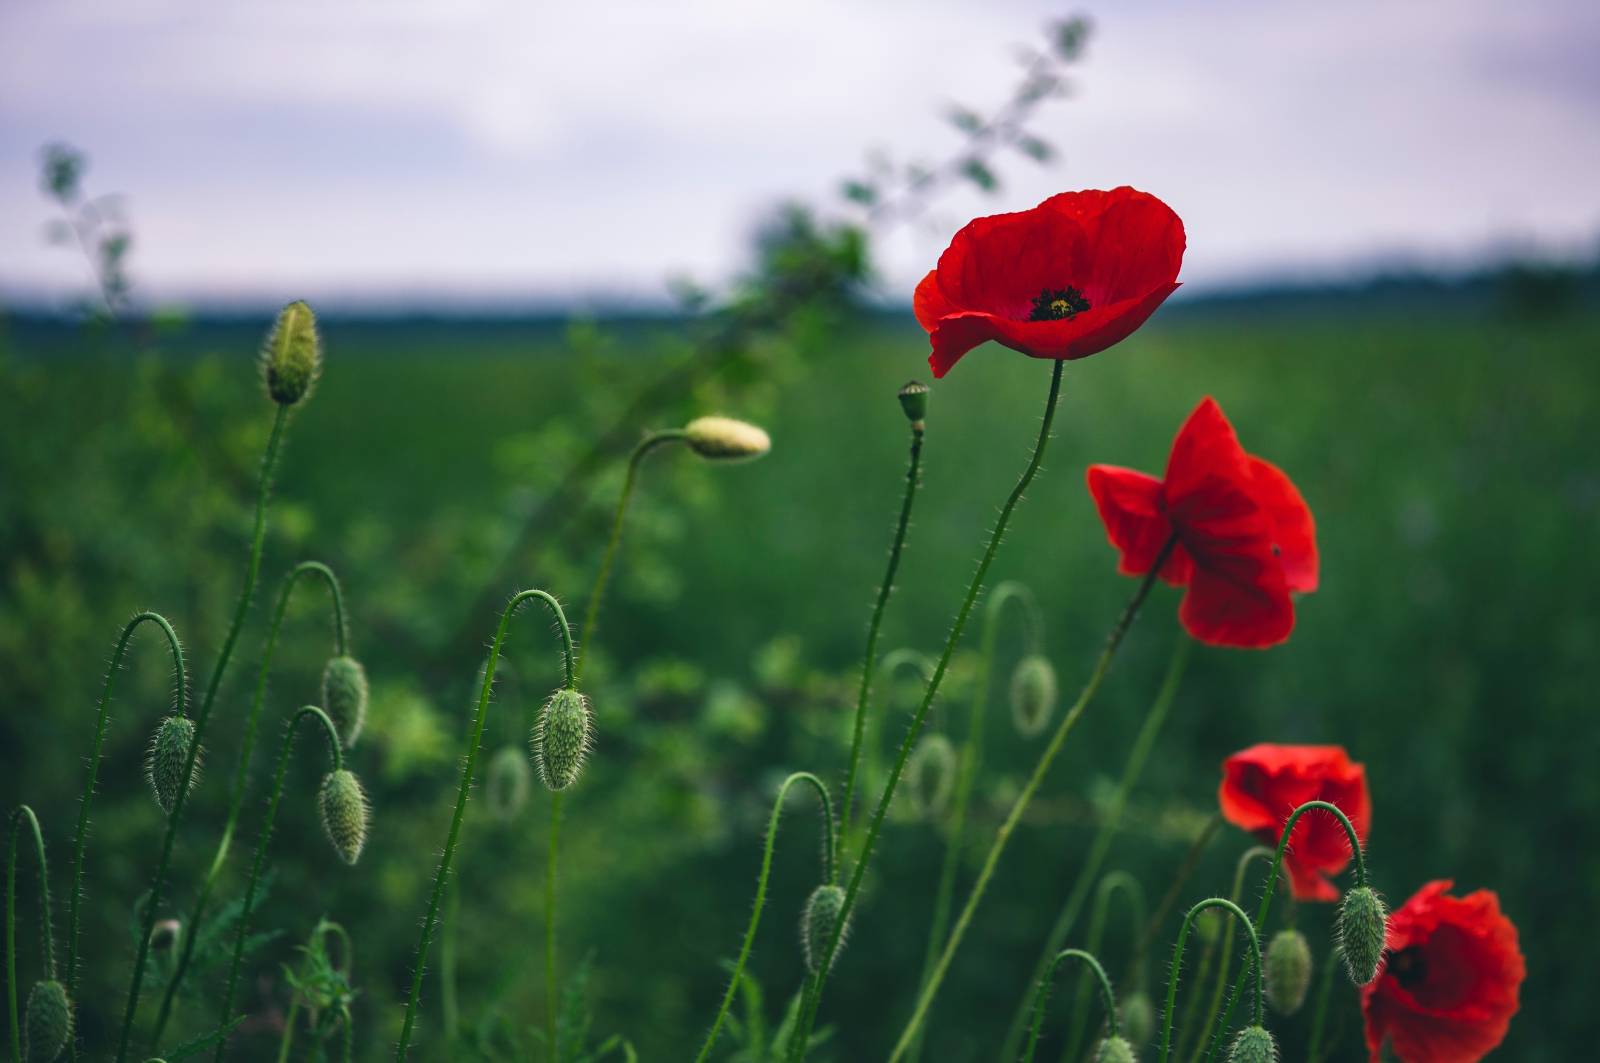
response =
{"points": [[1067, 279], [1262, 785], [1450, 979], [1244, 536]]}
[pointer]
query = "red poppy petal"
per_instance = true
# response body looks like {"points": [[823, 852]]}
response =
{"points": [[1238, 600], [929, 303], [955, 335], [999, 264], [1135, 245], [1294, 532], [1206, 449], [1130, 508]]}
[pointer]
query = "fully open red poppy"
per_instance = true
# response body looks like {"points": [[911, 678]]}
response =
{"points": [[1450, 979], [1067, 279], [1244, 535], [1262, 785]]}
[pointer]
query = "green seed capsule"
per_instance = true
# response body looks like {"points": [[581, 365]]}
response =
{"points": [[1114, 1050], [49, 1022], [510, 780], [1033, 694], [291, 356], [725, 439], [914, 401], [931, 775], [1138, 1017], [817, 923], [169, 751], [1287, 966], [1253, 1045], [1363, 926], [344, 697], [345, 814], [562, 738]]}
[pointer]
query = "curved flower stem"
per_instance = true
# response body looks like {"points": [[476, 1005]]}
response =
{"points": [[1110, 886], [1101, 666], [1177, 963], [241, 773], [252, 571], [1100, 847], [1250, 855], [1107, 996], [761, 891], [430, 920], [80, 838], [809, 1010], [47, 942], [1272, 882], [885, 589], [903, 659], [336, 755]]}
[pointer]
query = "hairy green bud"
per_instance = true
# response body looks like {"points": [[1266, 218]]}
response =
{"points": [[345, 813], [49, 1021], [1287, 966], [291, 356], [344, 697], [725, 439], [562, 738], [817, 923], [1363, 927], [1253, 1045], [169, 752], [914, 401], [1138, 1017], [1033, 694], [510, 780], [931, 775], [1114, 1050]]}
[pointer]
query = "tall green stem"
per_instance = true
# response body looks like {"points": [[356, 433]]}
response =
{"points": [[885, 589], [1041, 769], [47, 944], [1249, 856], [1112, 884], [809, 1009], [552, 997], [1106, 995], [475, 741], [241, 772], [252, 571], [1177, 963], [336, 755], [828, 847], [1320, 1017]]}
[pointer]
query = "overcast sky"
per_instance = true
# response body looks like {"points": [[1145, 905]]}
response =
{"points": [[447, 148]]}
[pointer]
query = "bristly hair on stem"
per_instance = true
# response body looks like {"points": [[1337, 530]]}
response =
{"points": [[1107, 996], [59, 1032], [1177, 963]]}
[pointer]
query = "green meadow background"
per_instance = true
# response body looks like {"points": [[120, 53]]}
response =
{"points": [[1444, 435]]}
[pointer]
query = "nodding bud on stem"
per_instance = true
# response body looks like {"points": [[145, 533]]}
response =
{"points": [[562, 738], [510, 780], [817, 923], [1363, 926], [345, 814], [1033, 694], [931, 775], [49, 1021], [1253, 1045], [1287, 966], [725, 439], [1114, 1050], [169, 752], [291, 356], [344, 697], [1138, 1017], [914, 401], [165, 935]]}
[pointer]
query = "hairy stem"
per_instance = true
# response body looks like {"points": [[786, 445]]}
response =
{"points": [[1107, 996], [47, 944], [1112, 884], [1177, 963], [552, 1005], [1319, 1018], [1249, 856]]}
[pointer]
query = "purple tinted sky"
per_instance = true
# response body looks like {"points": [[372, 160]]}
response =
{"points": [[459, 148]]}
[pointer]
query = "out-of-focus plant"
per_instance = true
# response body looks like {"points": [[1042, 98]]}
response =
{"points": [[96, 225]]}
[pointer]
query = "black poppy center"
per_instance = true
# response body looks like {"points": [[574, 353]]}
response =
{"points": [[1058, 304], [1409, 966]]}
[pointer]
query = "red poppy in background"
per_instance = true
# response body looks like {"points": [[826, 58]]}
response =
{"points": [[1244, 535], [1067, 279], [1262, 785], [1450, 979]]}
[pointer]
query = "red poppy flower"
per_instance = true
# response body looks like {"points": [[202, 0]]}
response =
{"points": [[1067, 279], [1262, 785], [1245, 537], [1450, 979]]}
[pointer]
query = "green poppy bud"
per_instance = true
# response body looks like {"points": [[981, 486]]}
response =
{"points": [[817, 924], [165, 935], [725, 439], [562, 738], [1253, 1045], [169, 752], [49, 1022], [1033, 694], [344, 697], [345, 814], [1114, 1050], [1287, 966], [1138, 1017], [510, 780], [914, 401], [1363, 926], [291, 356], [931, 775]]}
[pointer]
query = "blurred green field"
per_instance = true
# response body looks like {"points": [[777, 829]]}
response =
{"points": [[1445, 443]]}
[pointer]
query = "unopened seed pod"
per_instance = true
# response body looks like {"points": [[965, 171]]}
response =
{"points": [[1033, 694], [1253, 1045], [914, 401], [562, 738], [1138, 1017], [291, 355], [1114, 1050], [510, 780], [165, 935], [345, 813], [725, 439], [817, 924], [931, 775], [1287, 967], [49, 1021], [344, 697], [1363, 926], [164, 763]]}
